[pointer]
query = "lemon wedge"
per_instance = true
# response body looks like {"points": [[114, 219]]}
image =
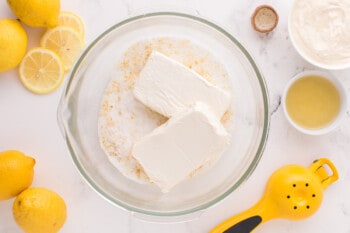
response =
{"points": [[65, 42], [71, 20], [41, 71]]}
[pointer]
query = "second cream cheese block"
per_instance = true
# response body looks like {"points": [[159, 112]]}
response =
{"points": [[187, 141], [167, 87]]}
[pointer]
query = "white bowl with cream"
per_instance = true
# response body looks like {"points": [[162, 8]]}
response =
{"points": [[320, 32], [314, 102]]}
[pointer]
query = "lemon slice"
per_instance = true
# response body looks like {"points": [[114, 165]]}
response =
{"points": [[71, 20], [41, 71], [65, 42]]}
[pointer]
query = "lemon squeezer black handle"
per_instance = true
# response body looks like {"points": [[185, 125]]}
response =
{"points": [[245, 226], [244, 222]]}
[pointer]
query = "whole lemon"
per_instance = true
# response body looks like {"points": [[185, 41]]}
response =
{"points": [[16, 173], [39, 210], [13, 43], [36, 13]]}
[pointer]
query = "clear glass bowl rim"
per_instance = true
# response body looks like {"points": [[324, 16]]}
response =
{"points": [[210, 203]]}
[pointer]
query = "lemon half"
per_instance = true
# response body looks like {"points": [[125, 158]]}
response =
{"points": [[41, 71], [65, 42], [71, 20]]}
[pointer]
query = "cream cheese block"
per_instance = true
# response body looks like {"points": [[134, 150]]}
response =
{"points": [[172, 152], [167, 87]]}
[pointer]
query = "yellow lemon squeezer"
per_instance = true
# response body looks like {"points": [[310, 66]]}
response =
{"points": [[292, 192]]}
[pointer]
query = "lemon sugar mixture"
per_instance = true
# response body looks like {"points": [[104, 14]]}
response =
{"points": [[124, 120]]}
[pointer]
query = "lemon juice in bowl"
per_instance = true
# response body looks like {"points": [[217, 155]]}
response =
{"points": [[314, 102]]}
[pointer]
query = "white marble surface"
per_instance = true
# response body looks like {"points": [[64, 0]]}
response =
{"points": [[28, 123]]}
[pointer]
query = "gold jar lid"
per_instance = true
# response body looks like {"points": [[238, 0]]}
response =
{"points": [[264, 19]]}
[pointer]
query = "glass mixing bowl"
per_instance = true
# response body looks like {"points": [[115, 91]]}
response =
{"points": [[79, 110]]}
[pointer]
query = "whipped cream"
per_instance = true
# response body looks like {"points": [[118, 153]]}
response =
{"points": [[321, 30]]}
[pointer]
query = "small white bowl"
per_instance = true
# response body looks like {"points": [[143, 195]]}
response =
{"points": [[303, 52], [343, 98]]}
